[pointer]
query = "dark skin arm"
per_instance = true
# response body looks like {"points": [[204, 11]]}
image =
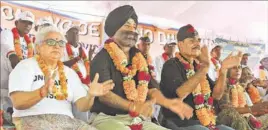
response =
{"points": [[14, 59], [192, 83], [71, 62]]}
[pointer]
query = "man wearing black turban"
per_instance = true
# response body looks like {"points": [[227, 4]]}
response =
{"points": [[116, 110]]}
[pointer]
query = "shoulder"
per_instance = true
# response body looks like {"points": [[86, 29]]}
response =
{"points": [[68, 71], [102, 56], [171, 62], [28, 65]]}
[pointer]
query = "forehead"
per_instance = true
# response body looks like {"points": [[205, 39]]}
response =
{"points": [[130, 21], [54, 35]]}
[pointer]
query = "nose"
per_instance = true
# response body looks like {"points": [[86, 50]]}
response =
{"points": [[57, 46]]}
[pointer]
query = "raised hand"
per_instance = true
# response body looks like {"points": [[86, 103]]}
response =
{"points": [[145, 109], [99, 89], [49, 83], [180, 108], [204, 57], [232, 61], [91, 51]]}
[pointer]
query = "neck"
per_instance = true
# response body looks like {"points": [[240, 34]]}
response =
{"points": [[21, 33], [170, 55], [125, 50], [189, 58], [51, 63], [74, 44]]}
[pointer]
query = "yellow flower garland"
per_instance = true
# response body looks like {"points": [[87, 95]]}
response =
{"points": [[60, 93], [238, 96]]}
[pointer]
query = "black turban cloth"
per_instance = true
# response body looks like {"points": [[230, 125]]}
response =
{"points": [[145, 39], [187, 31], [118, 17]]}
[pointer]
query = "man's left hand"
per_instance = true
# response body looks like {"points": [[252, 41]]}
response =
{"points": [[180, 108], [100, 89]]}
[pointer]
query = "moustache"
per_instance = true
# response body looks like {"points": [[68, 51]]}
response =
{"points": [[130, 34], [197, 47]]}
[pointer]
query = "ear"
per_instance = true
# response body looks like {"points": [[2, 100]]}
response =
{"points": [[16, 23]]}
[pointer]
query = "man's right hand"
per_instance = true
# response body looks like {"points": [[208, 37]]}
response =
{"points": [[145, 109], [260, 109], [14, 60], [204, 57], [232, 61]]}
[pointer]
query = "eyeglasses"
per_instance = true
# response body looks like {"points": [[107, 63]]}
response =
{"points": [[52, 42]]}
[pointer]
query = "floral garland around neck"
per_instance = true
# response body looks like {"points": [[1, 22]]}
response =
{"points": [[215, 63], [139, 67], [75, 67], [61, 92], [150, 65], [238, 98], [263, 75], [165, 56], [202, 97], [254, 94], [17, 44]]}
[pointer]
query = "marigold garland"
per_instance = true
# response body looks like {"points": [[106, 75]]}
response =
{"points": [[165, 56], [139, 64], [238, 98], [75, 67], [254, 94], [262, 73], [17, 44], [139, 67], [151, 67], [60, 93], [202, 97]]}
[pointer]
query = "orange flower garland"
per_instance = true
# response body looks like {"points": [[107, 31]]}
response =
{"points": [[75, 67], [262, 73], [17, 44], [139, 63], [254, 94], [202, 97], [60, 93], [238, 98]]}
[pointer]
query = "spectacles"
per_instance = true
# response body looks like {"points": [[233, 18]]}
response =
{"points": [[52, 42]]}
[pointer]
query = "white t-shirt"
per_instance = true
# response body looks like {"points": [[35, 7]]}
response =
{"points": [[212, 73], [27, 76], [158, 64], [7, 45], [80, 63]]}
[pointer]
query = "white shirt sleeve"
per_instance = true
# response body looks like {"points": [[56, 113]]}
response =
{"points": [[21, 78], [78, 88], [7, 42], [158, 69]]}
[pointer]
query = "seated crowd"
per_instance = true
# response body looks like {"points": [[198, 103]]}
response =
{"points": [[54, 83]]}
